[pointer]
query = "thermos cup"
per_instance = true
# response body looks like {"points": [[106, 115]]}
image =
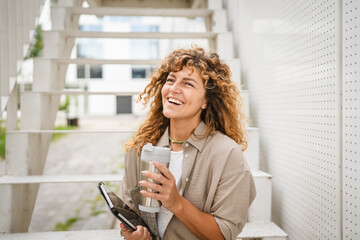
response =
{"points": [[150, 153]]}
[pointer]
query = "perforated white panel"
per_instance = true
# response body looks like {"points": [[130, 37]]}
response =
{"points": [[351, 119], [289, 52]]}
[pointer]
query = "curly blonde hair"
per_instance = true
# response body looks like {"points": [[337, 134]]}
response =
{"points": [[224, 104]]}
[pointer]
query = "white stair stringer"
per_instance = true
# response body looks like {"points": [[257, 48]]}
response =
{"points": [[19, 20], [17, 23], [37, 112]]}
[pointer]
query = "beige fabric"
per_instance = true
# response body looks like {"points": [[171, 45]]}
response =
{"points": [[215, 178]]}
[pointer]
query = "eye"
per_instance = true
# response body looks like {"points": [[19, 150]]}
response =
{"points": [[170, 80], [189, 84]]}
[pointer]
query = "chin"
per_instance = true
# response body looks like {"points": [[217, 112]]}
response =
{"points": [[168, 115]]}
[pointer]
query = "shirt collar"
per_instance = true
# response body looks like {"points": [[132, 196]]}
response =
{"points": [[197, 139]]}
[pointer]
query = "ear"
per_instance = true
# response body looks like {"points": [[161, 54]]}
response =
{"points": [[204, 106]]}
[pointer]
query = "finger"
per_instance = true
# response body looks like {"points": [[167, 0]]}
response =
{"points": [[139, 233], [151, 194], [124, 228], [164, 170], [146, 234], [154, 176], [150, 185], [125, 231]]}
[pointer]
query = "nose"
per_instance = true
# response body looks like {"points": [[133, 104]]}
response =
{"points": [[176, 88]]}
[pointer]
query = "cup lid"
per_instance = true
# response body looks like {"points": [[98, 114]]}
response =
{"points": [[153, 153]]}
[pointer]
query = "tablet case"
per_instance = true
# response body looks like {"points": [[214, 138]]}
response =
{"points": [[127, 212]]}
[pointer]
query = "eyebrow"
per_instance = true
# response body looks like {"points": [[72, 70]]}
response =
{"points": [[190, 79]]}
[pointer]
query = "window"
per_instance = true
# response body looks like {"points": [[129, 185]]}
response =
{"points": [[89, 48], [123, 104], [138, 72], [144, 49]]}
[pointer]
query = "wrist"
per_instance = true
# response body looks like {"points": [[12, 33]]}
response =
{"points": [[179, 206]]}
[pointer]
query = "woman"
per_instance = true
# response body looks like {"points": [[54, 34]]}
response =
{"points": [[195, 110]]}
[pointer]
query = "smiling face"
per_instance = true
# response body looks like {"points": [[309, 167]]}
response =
{"points": [[183, 96]]}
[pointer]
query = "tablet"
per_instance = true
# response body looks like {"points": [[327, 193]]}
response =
{"points": [[106, 193]]}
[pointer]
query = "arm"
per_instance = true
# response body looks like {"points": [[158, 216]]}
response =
{"points": [[130, 179], [200, 223], [234, 193]]}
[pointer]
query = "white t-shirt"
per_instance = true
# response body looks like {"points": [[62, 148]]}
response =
{"points": [[175, 167]]}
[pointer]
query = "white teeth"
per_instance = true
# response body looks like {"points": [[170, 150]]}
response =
{"points": [[172, 100]]}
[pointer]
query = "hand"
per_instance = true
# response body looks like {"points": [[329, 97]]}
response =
{"points": [[140, 233], [167, 191]]}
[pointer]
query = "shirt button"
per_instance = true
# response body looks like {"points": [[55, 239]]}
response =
{"points": [[187, 179], [186, 145], [187, 155]]}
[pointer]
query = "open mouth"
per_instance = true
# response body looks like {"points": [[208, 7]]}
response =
{"points": [[175, 101]]}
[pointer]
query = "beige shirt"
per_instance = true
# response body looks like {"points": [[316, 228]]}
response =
{"points": [[215, 178]]}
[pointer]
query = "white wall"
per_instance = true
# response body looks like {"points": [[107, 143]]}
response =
{"points": [[300, 61], [351, 118]]}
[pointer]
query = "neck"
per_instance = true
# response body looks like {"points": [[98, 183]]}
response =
{"points": [[181, 130]]}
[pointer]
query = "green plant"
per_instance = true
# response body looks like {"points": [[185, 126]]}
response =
{"points": [[95, 213], [96, 203], [2, 143], [67, 224], [36, 45], [65, 106], [57, 136]]}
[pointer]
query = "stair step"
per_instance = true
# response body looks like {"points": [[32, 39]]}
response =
{"points": [[251, 230], [40, 63], [9, 179], [252, 152], [262, 231], [259, 173], [260, 209], [66, 235], [139, 35], [12, 179], [106, 61], [230, 62], [71, 131], [68, 92], [222, 42], [113, 11]]}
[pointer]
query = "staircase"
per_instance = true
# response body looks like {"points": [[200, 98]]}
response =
{"points": [[19, 181]]}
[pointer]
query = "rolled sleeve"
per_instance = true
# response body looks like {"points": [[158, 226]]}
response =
{"points": [[234, 195]]}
